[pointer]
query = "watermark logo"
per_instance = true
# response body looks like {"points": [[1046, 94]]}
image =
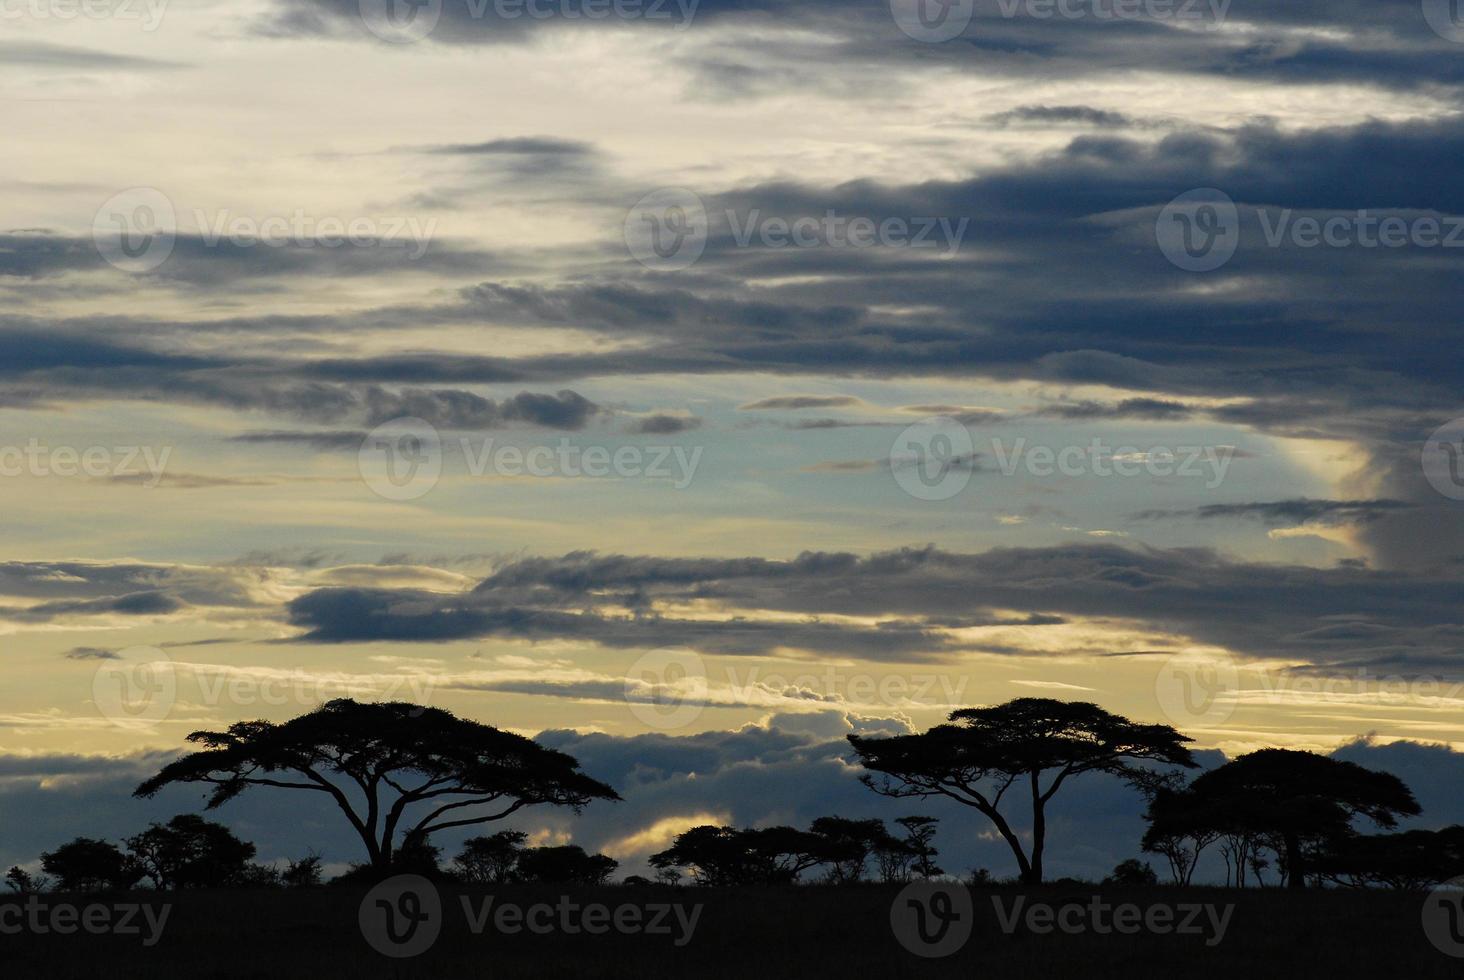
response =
{"points": [[1199, 230], [1443, 460], [1195, 689], [667, 229], [134, 686], [933, 21], [144, 465], [401, 21], [1446, 17], [569, 918], [402, 916], [1101, 918], [1443, 917], [148, 12], [135, 230], [932, 918], [402, 459], [39, 916], [933, 460], [667, 688], [302, 230]]}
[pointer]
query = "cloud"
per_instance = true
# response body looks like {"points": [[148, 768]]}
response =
{"points": [[664, 423], [794, 402], [1330, 513], [914, 603]]}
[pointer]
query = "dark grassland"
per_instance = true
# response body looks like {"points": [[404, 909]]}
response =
{"points": [[805, 932]]}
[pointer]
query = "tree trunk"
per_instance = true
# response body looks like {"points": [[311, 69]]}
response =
{"points": [[1024, 868], [1295, 876], [1039, 833]]}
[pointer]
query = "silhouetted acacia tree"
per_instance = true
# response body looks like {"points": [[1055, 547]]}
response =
{"points": [[919, 833], [304, 873], [1295, 803], [565, 865], [23, 882], [1180, 829], [190, 852], [1132, 872], [848, 845], [490, 860], [1414, 860], [85, 864], [396, 770], [728, 856], [984, 752]]}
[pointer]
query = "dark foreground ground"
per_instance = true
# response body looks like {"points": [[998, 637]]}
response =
{"points": [[808, 933]]}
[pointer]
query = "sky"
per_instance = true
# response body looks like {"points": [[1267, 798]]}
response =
{"points": [[690, 384]]}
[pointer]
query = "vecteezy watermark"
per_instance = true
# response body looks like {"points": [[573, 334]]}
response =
{"points": [[407, 21], [1195, 688], [937, 21], [1207, 13], [566, 918], [141, 686], [403, 460], [668, 230], [1446, 17], [668, 688], [1097, 458], [147, 463], [1443, 459], [38, 915], [302, 230], [932, 918], [1443, 917], [1102, 918], [933, 21], [136, 229], [401, 917], [148, 13], [135, 685], [934, 459], [404, 915], [1200, 231]]}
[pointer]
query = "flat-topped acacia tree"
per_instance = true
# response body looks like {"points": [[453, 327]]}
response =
{"points": [[398, 771], [984, 752]]}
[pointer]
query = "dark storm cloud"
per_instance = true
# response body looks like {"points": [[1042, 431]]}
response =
{"points": [[824, 43], [1343, 616], [1059, 281], [566, 410], [1047, 114], [198, 262], [791, 402], [1299, 511], [1135, 408], [39, 55], [90, 653], [133, 604], [534, 146], [324, 441], [664, 424]]}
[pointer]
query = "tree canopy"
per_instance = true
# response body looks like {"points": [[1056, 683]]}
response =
{"points": [[1295, 803], [397, 771], [983, 752]]}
